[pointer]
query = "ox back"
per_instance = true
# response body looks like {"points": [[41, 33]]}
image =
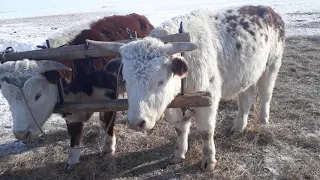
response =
{"points": [[88, 73]]}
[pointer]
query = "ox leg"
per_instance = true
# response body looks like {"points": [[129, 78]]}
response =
{"points": [[75, 130], [109, 139], [181, 145], [245, 100], [265, 89], [205, 122]]}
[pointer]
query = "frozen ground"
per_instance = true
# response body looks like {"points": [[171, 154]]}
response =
{"points": [[301, 17]]}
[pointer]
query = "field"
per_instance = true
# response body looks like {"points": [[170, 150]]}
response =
{"points": [[288, 148]]}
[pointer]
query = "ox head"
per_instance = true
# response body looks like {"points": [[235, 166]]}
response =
{"points": [[151, 74], [29, 87]]}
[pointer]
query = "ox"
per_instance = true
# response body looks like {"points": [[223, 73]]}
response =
{"points": [[231, 52], [31, 91]]}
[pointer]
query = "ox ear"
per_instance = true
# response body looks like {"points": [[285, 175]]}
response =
{"points": [[52, 76], [113, 65], [179, 67]]}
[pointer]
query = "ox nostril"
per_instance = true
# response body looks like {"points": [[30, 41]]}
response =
{"points": [[142, 124]]}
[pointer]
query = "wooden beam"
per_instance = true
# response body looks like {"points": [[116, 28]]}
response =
{"points": [[200, 99], [80, 51]]}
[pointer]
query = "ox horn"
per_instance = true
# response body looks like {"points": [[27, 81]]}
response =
{"points": [[111, 46], [44, 66], [178, 47]]}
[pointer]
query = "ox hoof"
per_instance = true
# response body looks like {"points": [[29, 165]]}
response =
{"points": [[235, 132], [176, 160], [205, 166], [263, 121], [71, 167], [107, 153], [236, 135]]}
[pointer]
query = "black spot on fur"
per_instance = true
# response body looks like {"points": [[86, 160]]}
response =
{"points": [[251, 32], [238, 45], [229, 11], [228, 29], [244, 24], [233, 25], [232, 17], [266, 38]]}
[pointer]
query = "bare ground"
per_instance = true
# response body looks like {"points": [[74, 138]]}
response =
{"points": [[288, 148]]}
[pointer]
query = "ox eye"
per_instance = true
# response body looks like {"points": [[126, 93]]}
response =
{"points": [[123, 81], [160, 83], [37, 96]]}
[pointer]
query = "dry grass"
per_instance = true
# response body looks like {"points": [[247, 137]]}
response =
{"points": [[288, 148]]}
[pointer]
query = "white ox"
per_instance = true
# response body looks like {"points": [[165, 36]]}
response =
{"points": [[231, 52]]}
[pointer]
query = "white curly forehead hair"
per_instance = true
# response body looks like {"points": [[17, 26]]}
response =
{"points": [[143, 58]]}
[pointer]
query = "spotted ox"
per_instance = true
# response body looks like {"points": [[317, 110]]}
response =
{"points": [[231, 52], [30, 87]]}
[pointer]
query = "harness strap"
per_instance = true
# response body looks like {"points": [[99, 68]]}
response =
{"points": [[58, 84], [183, 80], [132, 34]]}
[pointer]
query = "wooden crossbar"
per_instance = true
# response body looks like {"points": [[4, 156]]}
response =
{"points": [[199, 99], [80, 51]]}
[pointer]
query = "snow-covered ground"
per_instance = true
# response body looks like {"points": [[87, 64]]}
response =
{"points": [[48, 17]]}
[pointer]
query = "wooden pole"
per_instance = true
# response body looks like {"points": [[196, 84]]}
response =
{"points": [[80, 51], [200, 99]]}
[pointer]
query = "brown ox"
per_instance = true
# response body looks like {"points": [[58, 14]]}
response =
{"points": [[87, 82]]}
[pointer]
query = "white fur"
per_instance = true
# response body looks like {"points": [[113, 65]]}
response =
{"points": [[74, 155], [218, 66], [63, 37]]}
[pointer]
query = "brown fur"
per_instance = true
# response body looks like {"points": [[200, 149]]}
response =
{"points": [[261, 16], [111, 28], [267, 14], [107, 118], [75, 130]]}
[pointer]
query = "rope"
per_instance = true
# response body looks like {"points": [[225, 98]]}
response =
{"points": [[34, 119], [114, 112], [29, 109], [183, 80]]}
